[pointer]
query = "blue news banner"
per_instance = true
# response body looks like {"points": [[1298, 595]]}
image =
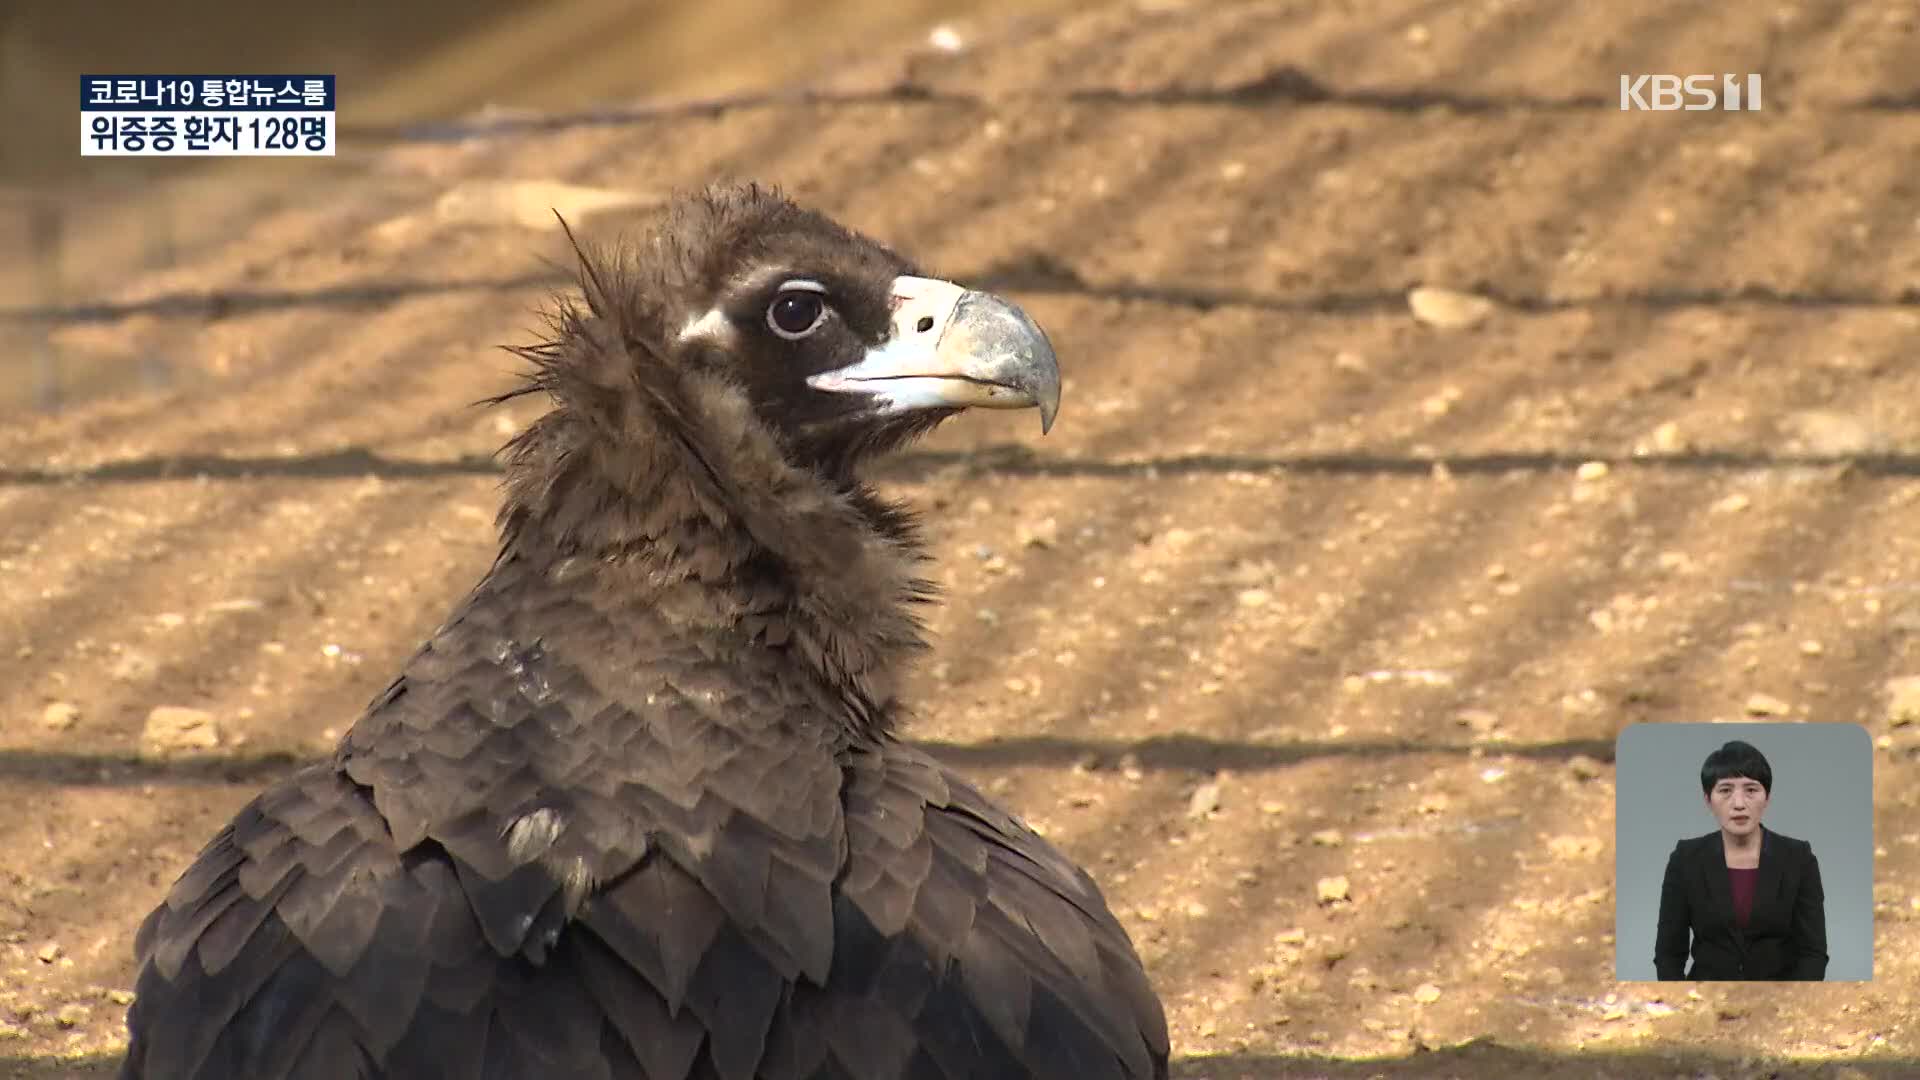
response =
{"points": [[207, 116]]}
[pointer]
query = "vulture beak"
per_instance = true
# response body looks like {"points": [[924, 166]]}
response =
{"points": [[954, 348]]}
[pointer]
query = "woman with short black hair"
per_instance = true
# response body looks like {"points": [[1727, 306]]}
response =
{"points": [[1750, 897]]}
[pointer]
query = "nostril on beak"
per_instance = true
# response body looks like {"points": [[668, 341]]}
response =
{"points": [[925, 324]]}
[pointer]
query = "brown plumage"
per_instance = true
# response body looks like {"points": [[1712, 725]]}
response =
{"points": [[637, 810]]}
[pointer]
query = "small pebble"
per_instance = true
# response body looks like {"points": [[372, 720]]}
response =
{"points": [[1903, 701], [1205, 800], [1041, 534], [1442, 403], [1666, 438], [59, 716], [1448, 309], [175, 727], [946, 39], [1674, 561], [1175, 539]]}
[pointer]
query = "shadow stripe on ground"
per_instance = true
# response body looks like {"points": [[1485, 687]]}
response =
{"points": [[224, 303], [1011, 460], [1188, 753]]}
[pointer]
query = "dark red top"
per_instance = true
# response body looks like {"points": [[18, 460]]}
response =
{"points": [[1743, 881]]}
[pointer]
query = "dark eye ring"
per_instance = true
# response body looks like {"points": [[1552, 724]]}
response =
{"points": [[795, 313]]}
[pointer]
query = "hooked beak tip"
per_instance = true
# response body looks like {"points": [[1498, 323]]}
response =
{"points": [[996, 343], [955, 348]]}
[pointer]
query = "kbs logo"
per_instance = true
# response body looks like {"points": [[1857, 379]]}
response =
{"points": [[1667, 93]]}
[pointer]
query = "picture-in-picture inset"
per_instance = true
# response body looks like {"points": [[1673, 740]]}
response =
{"points": [[1745, 853]]}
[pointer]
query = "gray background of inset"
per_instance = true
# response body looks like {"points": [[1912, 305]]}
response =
{"points": [[1822, 793]]}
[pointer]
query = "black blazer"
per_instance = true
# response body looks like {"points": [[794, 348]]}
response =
{"points": [[1786, 934]]}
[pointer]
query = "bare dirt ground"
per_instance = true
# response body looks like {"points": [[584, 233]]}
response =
{"points": [[1292, 561]]}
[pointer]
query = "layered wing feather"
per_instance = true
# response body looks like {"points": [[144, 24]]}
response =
{"points": [[522, 866]]}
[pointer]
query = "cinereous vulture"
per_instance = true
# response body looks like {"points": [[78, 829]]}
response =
{"points": [[638, 808]]}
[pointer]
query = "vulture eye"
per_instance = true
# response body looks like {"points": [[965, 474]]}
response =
{"points": [[797, 310]]}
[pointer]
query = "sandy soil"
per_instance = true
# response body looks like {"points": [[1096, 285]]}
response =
{"points": [[1292, 561]]}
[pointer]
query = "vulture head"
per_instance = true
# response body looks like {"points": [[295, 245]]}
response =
{"points": [[746, 325], [842, 346]]}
